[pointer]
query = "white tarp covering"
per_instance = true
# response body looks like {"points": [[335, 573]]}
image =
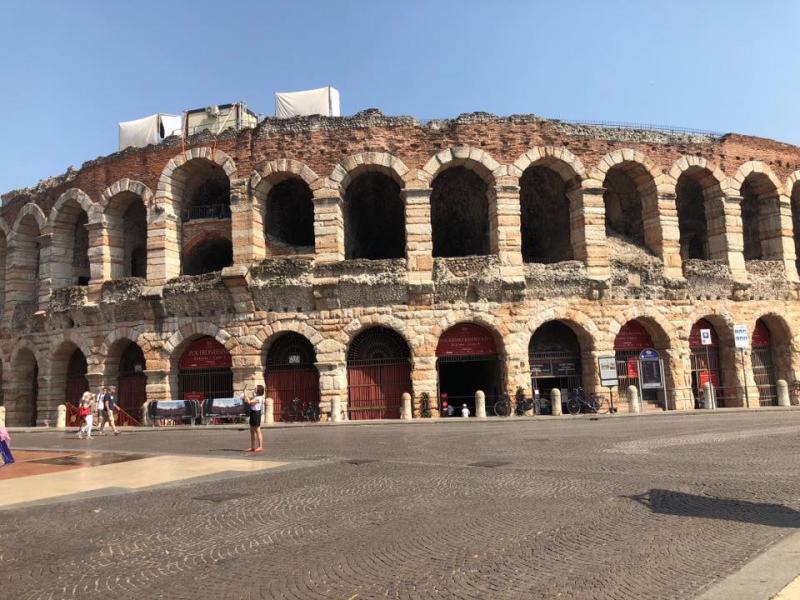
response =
{"points": [[149, 130], [322, 101]]}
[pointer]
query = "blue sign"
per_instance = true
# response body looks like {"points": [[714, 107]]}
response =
{"points": [[649, 354]]}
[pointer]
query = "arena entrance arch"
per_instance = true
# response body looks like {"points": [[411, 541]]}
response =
{"points": [[554, 354], [628, 345], [763, 364], [467, 361], [705, 363], [77, 382], [24, 396], [291, 374], [131, 381], [378, 373], [204, 371]]}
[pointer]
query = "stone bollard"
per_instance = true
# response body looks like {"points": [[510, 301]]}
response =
{"points": [[709, 399], [2, 416], [783, 393], [480, 404], [633, 399], [61, 417], [269, 411], [555, 402], [146, 414], [336, 409], [407, 414]]}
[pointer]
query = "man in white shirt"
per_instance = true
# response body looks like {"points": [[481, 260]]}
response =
{"points": [[464, 410]]}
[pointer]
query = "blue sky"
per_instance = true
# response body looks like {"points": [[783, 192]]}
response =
{"points": [[69, 71]]}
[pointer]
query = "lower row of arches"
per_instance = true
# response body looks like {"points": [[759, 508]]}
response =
{"points": [[379, 366]]}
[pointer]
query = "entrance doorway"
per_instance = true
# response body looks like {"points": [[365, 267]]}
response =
{"points": [[467, 361], [77, 383], [763, 365], [204, 371], [132, 382], [554, 354], [378, 373], [628, 345], [705, 364], [291, 374]]}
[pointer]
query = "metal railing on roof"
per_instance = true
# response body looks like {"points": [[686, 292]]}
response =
{"points": [[644, 127]]}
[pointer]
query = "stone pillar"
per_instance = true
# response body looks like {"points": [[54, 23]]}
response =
{"points": [[480, 404], [633, 399], [747, 398], [45, 283], [419, 235], [407, 412], [778, 240], [332, 385], [269, 411], [588, 229], [163, 249], [95, 378], [727, 226], [505, 228], [145, 416], [99, 258], [247, 226], [661, 231], [709, 399], [555, 402], [328, 226], [423, 379], [158, 387], [247, 373], [61, 418], [336, 409], [783, 393]]}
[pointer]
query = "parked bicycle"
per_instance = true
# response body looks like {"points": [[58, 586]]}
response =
{"points": [[300, 410], [504, 407], [578, 403]]}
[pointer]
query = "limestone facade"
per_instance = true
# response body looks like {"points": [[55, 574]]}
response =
{"points": [[630, 258]]}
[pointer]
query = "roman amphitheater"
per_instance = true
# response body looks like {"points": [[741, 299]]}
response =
{"points": [[348, 260]]}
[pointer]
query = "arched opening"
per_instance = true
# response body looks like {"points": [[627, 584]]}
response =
{"points": [[77, 382], [127, 235], [467, 360], [22, 398], [692, 218], [796, 221], [636, 366], [760, 217], [762, 359], [627, 186], [208, 256], [705, 363], [378, 374], [545, 216], [289, 217], [291, 377], [554, 355], [205, 209], [204, 371], [125, 366], [23, 272], [69, 256], [374, 218], [459, 214]]}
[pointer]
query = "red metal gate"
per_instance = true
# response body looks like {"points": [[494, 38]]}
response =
{"points": [[131, 394], [286, 384], [375, 388]]}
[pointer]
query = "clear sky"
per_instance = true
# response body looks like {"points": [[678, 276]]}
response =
{"points": [[69, 71]]}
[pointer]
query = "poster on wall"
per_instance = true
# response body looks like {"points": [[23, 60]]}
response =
{"points": [[205, 353]]}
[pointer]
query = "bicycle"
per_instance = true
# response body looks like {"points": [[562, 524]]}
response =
{"points": [[578, 403], [504, 408], [299, 410]]}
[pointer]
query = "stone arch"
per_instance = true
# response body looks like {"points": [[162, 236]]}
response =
{"points": [[126, 206], [793, 190], [781, 349], [122, 186], [4, 252], [23, 273], [727, 386], [191, 331], [748, 169], [587, 332], [69, 257], [761, 196], [357, 326], [351, 167], [664, 333], [471, 158], [548, 178], [631, 182], [121, 334], [265, 336], [21, 385], [80, 197], [172, 181], [32, 210]]}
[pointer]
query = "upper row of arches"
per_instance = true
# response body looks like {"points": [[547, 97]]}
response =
{"points": [[285, 207]]}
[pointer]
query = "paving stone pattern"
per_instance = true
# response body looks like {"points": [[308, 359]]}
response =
{"points": [[654, 507]]}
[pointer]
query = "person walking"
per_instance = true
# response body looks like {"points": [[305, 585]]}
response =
{"points": [[85, 411], [107, 408], [5, 450], [256, 404]]}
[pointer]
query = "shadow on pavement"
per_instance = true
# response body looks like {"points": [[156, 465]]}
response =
{"points": [[669, 502]]}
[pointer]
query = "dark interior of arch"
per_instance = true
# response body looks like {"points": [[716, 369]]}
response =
{"points": [[545, 216], [80, 254], [290, 214], [554, 336], [796, 221], [135, 239], [376, 344], [132, 360], [77, 366], [291, 350], [207, 185], [459, 214], [208, 256], [623, 204], [751, 230], [374, 218], [690, 202]]}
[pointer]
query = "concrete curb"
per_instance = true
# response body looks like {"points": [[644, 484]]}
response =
{"points": [[438, 421]]}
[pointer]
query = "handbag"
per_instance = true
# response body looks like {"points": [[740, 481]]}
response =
{"points": [[84, 411]]}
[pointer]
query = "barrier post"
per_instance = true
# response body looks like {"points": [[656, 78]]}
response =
{"points": [[783, 393], [61, 417], [145, 415], [2, 416], [480, 404], [336, 409], [406, 414], [633, 399], [555, 402], [269, 411]]}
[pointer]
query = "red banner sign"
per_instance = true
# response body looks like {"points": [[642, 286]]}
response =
{"points": [[205, 353], [694, 335], [706, 376], [761, 337], [466, 339], [632, 336]]}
